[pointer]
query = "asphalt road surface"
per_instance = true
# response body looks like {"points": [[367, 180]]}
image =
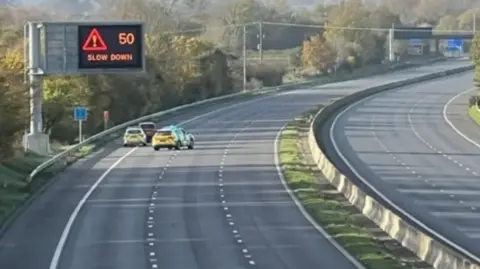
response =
{"points": [[221, 205], [403, 143]]}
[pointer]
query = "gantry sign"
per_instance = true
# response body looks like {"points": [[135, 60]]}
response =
{"points": [[93, 47], [110, 46], [75, 48]]}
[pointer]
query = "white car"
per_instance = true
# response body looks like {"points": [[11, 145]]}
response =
{"points": [[134, 136]]}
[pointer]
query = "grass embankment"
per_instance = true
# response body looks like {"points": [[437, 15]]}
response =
{"points": [[15, 187], [346, 224], [474, 114]]}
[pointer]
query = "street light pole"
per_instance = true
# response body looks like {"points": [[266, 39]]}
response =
{"points": [[260, 36], [244, 58]]}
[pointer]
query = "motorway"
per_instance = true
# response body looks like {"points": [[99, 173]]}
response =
{"points": [[413, 145], [221, 205]]}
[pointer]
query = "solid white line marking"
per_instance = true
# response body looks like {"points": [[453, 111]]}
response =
{"points": [[300, 207], [76, 211]]}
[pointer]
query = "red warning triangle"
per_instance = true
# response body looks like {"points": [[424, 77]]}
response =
{"points": [[94, 42]]}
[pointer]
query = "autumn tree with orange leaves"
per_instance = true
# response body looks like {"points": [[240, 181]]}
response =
{"points": [[317, 53]]}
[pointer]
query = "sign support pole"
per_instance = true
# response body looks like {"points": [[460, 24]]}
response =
{"points": [[391, 52], [80, 131], [244, 58], [37, 141], [36, 80]]}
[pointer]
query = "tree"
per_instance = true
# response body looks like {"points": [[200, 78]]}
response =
{"points": [[348, 42], [475, 54], [431, 10], [447, 23], [382, 17], [465, 20], [61, 95], [318, 53], [13, 99]]}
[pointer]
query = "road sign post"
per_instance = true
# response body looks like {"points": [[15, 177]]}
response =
{"points": [[80, 115], [106, 117]]}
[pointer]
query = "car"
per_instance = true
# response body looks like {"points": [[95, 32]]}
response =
{"points": [[134, 136], [149, 129], [172, 137]]}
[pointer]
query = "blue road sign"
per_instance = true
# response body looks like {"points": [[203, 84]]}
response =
{"points": [[80, 113], [455, 45], [415, 42]]}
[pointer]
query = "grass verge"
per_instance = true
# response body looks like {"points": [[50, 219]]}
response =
{"points": [[15, 188], [345, 223], [474, 114]]}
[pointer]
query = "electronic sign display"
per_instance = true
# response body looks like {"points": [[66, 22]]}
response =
{"points": [[110, 46]]}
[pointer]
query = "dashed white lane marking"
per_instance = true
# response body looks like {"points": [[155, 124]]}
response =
{"points": [[151, 214], [228, 215], [380, 143], [440, 153]]}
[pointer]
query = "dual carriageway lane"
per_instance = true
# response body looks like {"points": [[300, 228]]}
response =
{"points": [[221, 205], [418, 146]]}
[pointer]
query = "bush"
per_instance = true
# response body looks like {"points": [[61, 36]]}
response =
{"points": [[474, 100], [269, 75]]}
